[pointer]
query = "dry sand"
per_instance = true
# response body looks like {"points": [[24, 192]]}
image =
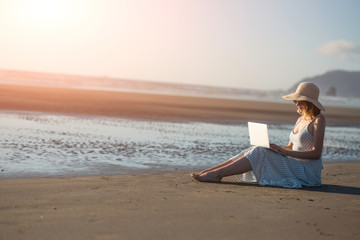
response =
{"points": [[172, 205], [156, 107]]}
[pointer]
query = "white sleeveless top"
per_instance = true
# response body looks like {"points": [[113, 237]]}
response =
{"points": [[303, 139]]}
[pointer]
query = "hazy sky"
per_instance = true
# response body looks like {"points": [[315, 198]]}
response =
{"points": [[264, 44]]}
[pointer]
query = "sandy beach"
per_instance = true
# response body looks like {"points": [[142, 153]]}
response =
{"points": [[157, 107], [170, 205]]}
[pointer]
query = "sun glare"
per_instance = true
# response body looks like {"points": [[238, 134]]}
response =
{"points": [[45, 11]]}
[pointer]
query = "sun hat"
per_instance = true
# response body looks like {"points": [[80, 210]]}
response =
{"points": [[306, 91]]}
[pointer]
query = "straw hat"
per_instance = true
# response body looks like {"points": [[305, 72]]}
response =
{"points": [[306, 91]]}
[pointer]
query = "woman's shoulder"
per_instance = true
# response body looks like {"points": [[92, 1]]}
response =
{"points": [[320, 117], [319, 120]]}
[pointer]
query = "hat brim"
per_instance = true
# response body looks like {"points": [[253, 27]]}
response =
{"points": [[298, 97]]}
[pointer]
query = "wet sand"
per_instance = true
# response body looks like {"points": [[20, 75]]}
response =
{"points": [[172, 205], [157, 107]]}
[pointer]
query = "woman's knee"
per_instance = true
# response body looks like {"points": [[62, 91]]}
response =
{"points": [[259, 149]]}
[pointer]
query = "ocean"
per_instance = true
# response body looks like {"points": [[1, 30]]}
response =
{"points": [[48, 145]]}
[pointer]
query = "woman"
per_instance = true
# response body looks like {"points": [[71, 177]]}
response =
{"points": [[300, 165]]}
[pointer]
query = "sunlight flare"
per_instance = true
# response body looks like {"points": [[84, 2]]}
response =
{"points": [[46, 11]]}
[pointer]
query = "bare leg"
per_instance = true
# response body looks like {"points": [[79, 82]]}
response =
{"points": [[217, 166], [239, 166], [194, 175]]}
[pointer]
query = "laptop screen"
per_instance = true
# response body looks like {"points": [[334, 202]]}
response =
{"points": [[258, 133]]}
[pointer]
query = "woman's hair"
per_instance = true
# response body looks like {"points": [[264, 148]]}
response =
{"points": [[310, 110]]}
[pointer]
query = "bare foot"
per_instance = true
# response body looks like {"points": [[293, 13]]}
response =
{"points": [[195, 175], [206, 177]]}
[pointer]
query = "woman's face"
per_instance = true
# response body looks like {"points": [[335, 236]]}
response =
{"points": [[300, 106]]}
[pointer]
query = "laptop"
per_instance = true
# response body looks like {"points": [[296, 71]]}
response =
{"points": [[259, 135]]}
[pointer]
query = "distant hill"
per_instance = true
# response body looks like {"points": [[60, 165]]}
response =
{"points": [[336, 83]]}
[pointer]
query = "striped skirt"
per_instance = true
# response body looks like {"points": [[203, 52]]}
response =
{"points": [[272, 169]]}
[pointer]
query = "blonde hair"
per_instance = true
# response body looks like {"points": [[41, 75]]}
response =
{"points": [[310, 111]]}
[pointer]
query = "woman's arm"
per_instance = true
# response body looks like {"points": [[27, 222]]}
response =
{"points": [[289, 146], [315, 152]]}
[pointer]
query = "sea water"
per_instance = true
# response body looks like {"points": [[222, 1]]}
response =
{"points": [[37, 144]]}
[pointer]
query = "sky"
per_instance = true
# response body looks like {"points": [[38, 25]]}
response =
{"points": [[258, 44]]}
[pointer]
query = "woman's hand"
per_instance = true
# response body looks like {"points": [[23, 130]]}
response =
{"points": [[277, 148]]}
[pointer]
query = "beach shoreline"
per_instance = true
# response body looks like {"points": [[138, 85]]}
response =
{"points": [[52, 145]]}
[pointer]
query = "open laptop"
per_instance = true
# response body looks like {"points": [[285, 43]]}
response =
{"points": [[259, 135]]}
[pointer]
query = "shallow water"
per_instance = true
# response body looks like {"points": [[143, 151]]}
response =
{"points": [[34, 144]]}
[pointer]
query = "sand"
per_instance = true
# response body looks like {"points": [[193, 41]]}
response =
{"points": [[171, 205], [157, 107]]}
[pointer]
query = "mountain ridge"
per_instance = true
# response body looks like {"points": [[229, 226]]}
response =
{"points": [[339, 83]]}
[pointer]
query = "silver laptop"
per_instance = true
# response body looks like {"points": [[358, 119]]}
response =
{"points": [[259, 135]]}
